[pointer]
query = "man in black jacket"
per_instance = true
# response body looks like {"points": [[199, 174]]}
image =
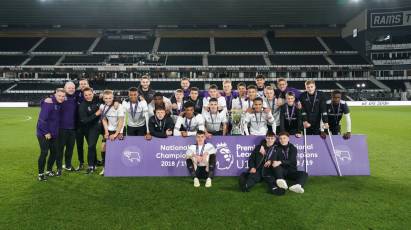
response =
{"points": [[89, 114], [259, 165], [284, 162], [290, 117], [314, 109], [160, 125]]}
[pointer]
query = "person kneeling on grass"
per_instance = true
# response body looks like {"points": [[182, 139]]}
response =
{"points": [[259, 165], [201, 160], [285, 166]]}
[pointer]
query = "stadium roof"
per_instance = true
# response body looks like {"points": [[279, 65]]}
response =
{"points": [[149, 13]]}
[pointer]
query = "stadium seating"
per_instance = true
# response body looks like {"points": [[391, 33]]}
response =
{"points": [[235, 60], [6, 60], [349, 60], [43, 60], [395, 84], [113, 46], [298, 60], [183, 60], [240, 45], [337, 44], [184, 45], [12, 44], [65, 45], [84, 60], [295, 44], [353, 84]]}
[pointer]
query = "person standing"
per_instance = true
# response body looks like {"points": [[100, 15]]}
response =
{"points": [[47, 132]]}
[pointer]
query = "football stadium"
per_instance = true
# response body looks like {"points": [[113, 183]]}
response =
{"points": [[166, 114]]}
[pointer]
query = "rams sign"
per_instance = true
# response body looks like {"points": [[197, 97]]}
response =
{"points": [[389, 18]]}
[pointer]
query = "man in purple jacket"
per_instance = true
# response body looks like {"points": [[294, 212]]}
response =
{"points": [[67, 132], [47, 132], [283, 89]]}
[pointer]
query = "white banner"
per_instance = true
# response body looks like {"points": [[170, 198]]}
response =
{"points": [[14, 104], [379, 103]]}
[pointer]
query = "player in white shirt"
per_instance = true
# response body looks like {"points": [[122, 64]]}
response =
{"points": [[216, 122], [258, 119], [189, 123], [238, 103], [112, 120], [201, 160], [213, 93], [136, 111], [271, 103]]}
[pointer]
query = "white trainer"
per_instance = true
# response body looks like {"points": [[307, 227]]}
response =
{"points": [[208, 183], [196, 182], [282, 183], [102, 172], [297, 188]]}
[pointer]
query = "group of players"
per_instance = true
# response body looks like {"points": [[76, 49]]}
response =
{"points": [[72, 115]]}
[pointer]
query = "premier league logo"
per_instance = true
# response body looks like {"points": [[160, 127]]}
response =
{"points": [[225, 158], [131, 156]]}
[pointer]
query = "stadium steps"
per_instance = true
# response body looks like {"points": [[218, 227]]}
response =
{"points": [[267, 43], [379, 84], [329, 60], [10, 88], [321, 41], [93, 45], [205, 60], [61, 59], [341, 87], [212, 45], [156, 45], [27, 60], [37, 45], [267, 60]]}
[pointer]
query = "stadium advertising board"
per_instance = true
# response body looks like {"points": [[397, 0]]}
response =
{"points": [[135, 156]]}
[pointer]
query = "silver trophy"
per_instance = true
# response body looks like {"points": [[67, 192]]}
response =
{"points": [[237, 126]]}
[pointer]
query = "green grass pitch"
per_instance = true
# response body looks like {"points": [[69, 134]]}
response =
{"points": [[77, 201]]}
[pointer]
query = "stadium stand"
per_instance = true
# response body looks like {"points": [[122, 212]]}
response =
{"points": [[12, 44], [240, 45], [119, 46], [296, 44], [43, 60], [84, 60], [184, 45], [65, 45], [12, 60], [235, 60], [337, 44], [298, 60], [183, 60], [349, 60]]}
